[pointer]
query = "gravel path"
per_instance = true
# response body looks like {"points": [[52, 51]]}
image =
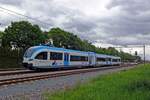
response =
{"points": [[34, 90]]}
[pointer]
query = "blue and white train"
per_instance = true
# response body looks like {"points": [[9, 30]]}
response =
{"points": [[46, 57]]}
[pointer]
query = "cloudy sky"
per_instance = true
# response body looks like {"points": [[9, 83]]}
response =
{"points": [[114, 22]]}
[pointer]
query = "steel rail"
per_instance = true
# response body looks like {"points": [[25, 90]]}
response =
{"points": [[11, 69], [4, 73]]}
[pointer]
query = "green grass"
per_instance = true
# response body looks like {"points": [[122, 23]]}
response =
{"points": [[132, 84]]}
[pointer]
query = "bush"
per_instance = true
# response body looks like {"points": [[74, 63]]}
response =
{"points": [[10, 58]]}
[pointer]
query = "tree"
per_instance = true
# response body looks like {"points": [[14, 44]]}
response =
{"points": [[23, 34], [136, 53], [64, 39], [68, 40], [1, 34], [58, 37]]}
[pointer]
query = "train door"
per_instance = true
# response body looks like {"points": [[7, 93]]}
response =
{"points": [[41, 59], [66, 59], [92, 59]]}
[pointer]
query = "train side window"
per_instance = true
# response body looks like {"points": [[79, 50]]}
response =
{"points": [[115, 60], [56, 56], [118, 60], [78, 58], [101, 59], [83, 58], [42, 56], [109, 59], [74, 58]]}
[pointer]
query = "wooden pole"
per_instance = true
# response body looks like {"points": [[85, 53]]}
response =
{"points": [[144, 53]]}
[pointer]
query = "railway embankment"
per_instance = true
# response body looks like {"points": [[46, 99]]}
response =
{"points": [[131, 84]]}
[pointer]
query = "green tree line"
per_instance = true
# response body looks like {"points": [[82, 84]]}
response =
{"points": [[23, 35]]}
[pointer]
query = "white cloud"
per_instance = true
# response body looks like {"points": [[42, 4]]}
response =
{"points": [[115, 22]]}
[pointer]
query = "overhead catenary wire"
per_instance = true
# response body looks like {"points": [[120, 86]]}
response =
{"points": [[14, 12], [142, 46]]}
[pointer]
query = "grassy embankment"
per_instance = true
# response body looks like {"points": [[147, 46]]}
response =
{"points": [[132, 84]]}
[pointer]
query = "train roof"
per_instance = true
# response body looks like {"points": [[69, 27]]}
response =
{"points": [[36, 48], [107, 56]]}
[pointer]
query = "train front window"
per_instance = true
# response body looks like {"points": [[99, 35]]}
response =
{"points": [[42, 56], [29, 53]]}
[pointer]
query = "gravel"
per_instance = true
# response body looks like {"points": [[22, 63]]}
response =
{"points": [[34, 90]]}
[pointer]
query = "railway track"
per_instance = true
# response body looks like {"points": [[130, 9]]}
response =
{"points": [[12, 69], [37, 76], [14, 72]]}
